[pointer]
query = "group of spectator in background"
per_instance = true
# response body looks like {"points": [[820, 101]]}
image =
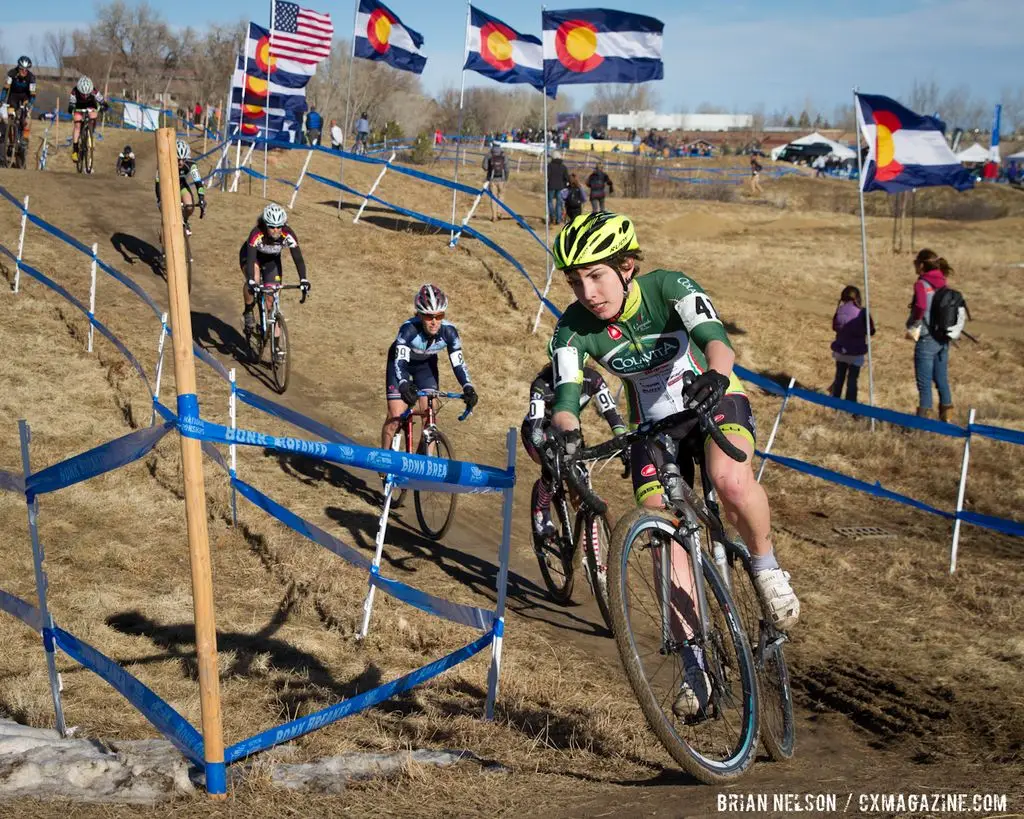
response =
{"points": [[851, 324]]}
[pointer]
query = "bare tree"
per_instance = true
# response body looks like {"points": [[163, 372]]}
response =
{"points": [[924, 96], [1013, 109], [57, 45], [711, 108], [614, 98]]}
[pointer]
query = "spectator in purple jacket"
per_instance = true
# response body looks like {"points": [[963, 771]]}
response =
{"points": [[851, 343]]}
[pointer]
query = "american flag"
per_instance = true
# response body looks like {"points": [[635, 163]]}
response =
{"points": [[300, 34]]}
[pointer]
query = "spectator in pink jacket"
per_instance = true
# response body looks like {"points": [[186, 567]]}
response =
{"points": [[850, 323], [931, 357]]}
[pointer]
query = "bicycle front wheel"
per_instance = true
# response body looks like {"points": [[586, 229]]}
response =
{"points": [[280, 355], [89, 148], [716, 744], [435, 510], [592, 537], [778, 726], [80, 164]]}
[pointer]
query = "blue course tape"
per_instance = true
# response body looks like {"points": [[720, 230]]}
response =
{"points": [[44, 279], [162, 716], [1008, 436], [880, 413], [323, 180], [135, 287], [875, 489], [296, 728], [9, 482], [1006, 527], [308, 530], [758, 380], [471, 616], [26, 612], [291, 416], [103, 458]]}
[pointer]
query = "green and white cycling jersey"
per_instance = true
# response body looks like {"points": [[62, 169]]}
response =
{"points": [[662, 334]]}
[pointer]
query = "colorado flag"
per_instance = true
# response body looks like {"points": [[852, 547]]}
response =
{"points": [[905, 150], [380, 35], [500, 52], [598, 45]]}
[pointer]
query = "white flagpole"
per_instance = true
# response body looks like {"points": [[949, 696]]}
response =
{"points": [[864, 253], [462, 97], [346, 125], [266, 121]]}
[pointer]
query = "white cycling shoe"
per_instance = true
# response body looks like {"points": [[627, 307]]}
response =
{"points": [[777, 596], [694, 696]]}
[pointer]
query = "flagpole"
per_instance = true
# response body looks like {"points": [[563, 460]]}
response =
{"points": [[266, 122], [348, 101], [462, 97], [864, 252]]}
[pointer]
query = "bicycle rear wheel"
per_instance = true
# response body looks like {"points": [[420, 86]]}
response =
{"points": [[556, 553], [592, 536], [280, 355], [719, 743], [778, 726], [435, 511]]}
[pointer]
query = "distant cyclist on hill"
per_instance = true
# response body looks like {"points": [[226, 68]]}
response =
{"points": [[261, 254], [188, 178], [538, 419], [19, 89], [412, 358], [126, 162], [84, 101]]}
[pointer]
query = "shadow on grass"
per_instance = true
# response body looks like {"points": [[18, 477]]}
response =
{"points": [[296, 676], [212, 333], [133, 249]]}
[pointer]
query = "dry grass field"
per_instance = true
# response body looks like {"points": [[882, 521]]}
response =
{"points": [[905, 677]]}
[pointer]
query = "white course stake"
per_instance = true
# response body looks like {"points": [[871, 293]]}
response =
{"points": [[238, 171], [92, 293], [503, 560], [376, 182], [960, 494], [159, 365], [775, 428], [382, 526], [469, 215], [302, 176], [21, 245]]}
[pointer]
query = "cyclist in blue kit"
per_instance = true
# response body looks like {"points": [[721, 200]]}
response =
{"points": [[412, 358]]}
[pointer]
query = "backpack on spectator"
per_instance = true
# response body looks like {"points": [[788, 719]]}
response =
{"points": [[574, 197], [949, 313]]}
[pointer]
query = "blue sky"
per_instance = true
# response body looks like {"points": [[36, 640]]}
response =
{"points": [[732, 53]]}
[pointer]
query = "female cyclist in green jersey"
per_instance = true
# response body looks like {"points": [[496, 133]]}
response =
{"points": [[651, 331]]}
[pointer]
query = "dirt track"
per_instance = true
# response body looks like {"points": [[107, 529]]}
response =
{"points": [[848, 742]]}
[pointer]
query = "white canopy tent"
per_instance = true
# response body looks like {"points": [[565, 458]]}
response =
{"points": [[1017, 157], [838, 149], [976, 153]]}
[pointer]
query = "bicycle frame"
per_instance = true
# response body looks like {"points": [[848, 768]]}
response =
{"points": [[429, 416]]}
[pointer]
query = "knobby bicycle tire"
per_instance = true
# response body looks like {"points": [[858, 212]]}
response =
{"points": [[556, 555], [596, 561], [778, 725], [742, 750], [421, 498], [280, 355]]}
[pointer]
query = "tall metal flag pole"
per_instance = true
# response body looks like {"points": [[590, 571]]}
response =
{"points": [[266, 126], [864, 249], [547, 193], [346, 125], [462, 98]]}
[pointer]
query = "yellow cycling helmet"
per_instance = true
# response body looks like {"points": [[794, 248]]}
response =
{"points": [[551, 352], [592, 238]]}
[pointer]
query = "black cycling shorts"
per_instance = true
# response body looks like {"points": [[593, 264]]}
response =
{"points": [[423, 373], [270, 269], [733, 416]]}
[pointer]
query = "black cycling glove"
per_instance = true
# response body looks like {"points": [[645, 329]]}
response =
{"points": [[705, 391], [408, 391], [470, 397]]}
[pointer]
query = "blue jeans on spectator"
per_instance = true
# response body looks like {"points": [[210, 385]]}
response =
{"points": [[931, 363], [555, 206]]}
